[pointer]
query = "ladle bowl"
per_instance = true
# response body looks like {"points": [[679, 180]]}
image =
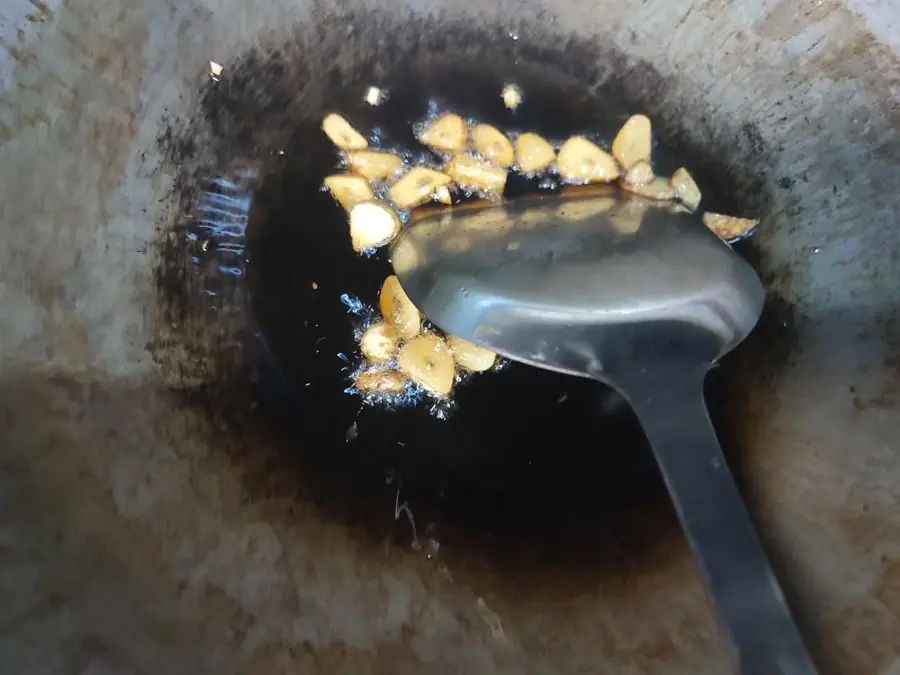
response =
{"points": [[643, 297]]}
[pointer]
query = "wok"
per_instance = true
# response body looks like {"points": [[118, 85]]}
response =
{"points": [[175, 497]]}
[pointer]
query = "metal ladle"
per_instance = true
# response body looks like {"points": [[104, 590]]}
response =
{"points": [[644, 298]]}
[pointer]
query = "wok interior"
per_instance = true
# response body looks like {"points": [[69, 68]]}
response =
{"points": [[156, 445], [549, 448]]}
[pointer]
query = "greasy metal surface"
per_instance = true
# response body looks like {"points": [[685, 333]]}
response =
{"points": [[140, 532], [569, 293]]}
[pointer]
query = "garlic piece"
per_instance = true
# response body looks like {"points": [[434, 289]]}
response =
{"points": [[379, 343], [469, 356], [686, 189], [381, 382], [633, 142], [349, 190], [372, 224], [640, 174], [472, 172], [373, 96], [427, 361], [342, 134], [512, 96], [398, 310], [447, 132], [416, 186], [533, 153], [443, 196], [729, 228], [374, 165], [658, 188], [493, 145], [581, 160]]}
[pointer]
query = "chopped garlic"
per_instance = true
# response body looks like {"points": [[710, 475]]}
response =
{"points": [[381, 382], [398, 310], [512, 96], [686, 189], [640, 174], [442, 195], [533, 153], [379, 343], [372, 224], [373, 96], [581, 160], [348, 190], [448, 132], [493, 145], [427, 361], [374, 164], [633, 142], [472, 172], [416, 186], [342, 134], [469, 356], [729, 228]]}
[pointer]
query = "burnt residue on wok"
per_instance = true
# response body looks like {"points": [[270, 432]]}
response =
{"points": [[252, 325]]}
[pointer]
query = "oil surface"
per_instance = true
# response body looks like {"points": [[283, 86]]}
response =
{"points": [[527, 461]]}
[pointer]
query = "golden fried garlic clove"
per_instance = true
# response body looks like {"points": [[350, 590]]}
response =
{"points": [[348, 191], [373, 164], [512, 96], [640, 174], [469, 356], [342, 134], [442, 195], [633, 142], [374, 96], [447, 132], [372, 224], [427, 361], [729, 228], [533, 153], [658, 188], [381, 382], [398, 310], [472, 172], [416, 186], [581, 160], [493, 145], [379, 343], [686, 189]]}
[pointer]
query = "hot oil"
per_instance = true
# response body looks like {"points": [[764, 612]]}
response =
{"points": [[550, 448], [533, 471]]}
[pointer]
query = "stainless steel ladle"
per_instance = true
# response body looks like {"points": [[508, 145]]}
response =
{"points": [[644, 298]]}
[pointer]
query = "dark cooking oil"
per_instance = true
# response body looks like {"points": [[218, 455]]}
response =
{"points": [[311, 293], [520, 457]]}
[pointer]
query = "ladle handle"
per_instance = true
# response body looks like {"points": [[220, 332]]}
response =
{"points": [[751, 609]]}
